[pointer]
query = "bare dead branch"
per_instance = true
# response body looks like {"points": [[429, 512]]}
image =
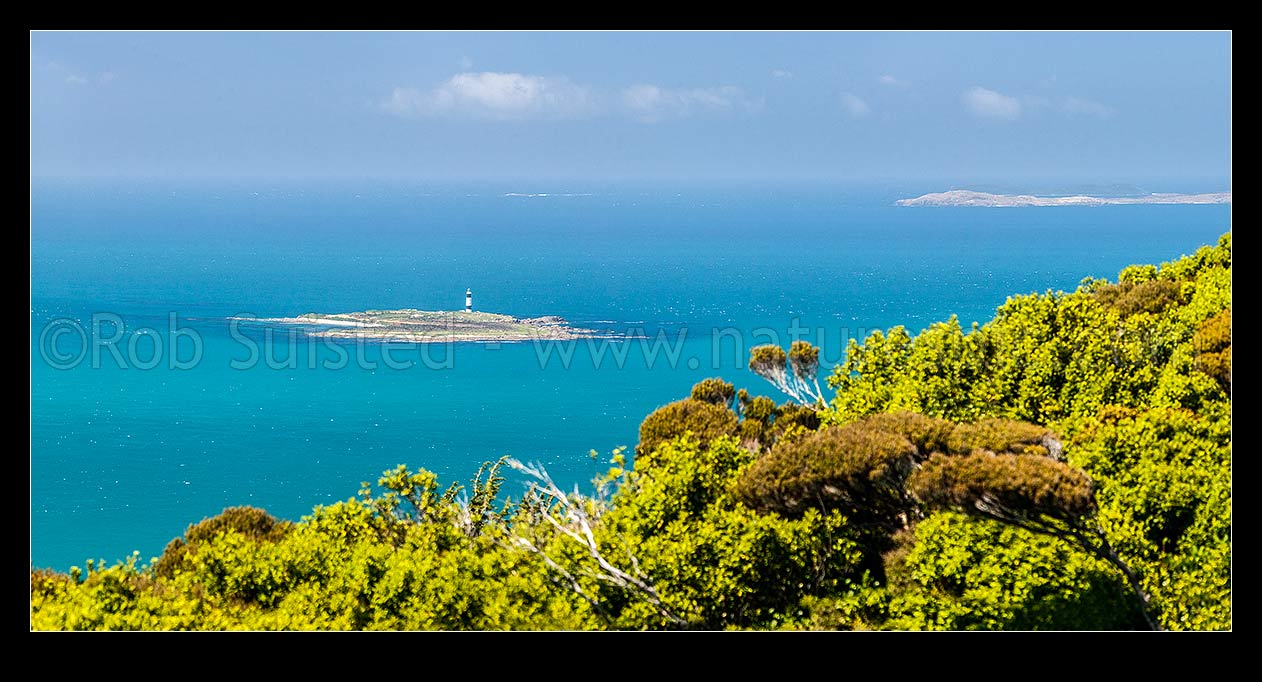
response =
{"points": [[568, 514]]}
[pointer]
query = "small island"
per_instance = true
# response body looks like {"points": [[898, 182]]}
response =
{"points": [[425, 326], [964, 197]]}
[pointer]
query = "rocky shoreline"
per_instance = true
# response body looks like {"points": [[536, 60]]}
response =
{"points": [[963, 197], [425, 326]]}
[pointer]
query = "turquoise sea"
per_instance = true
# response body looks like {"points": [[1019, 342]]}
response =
{"points": [[124, 455]]}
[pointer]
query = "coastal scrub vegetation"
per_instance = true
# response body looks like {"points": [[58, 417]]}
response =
{"points": [[1066, 465]]}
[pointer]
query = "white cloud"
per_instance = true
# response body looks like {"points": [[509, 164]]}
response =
{"points": [[890, 80], [651, 103], [1079, 106], [781, 74], [75, 79], [990, 104], [489, 94], [515, 96], [854, 105]]}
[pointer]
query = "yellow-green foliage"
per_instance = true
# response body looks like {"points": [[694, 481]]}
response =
{"points": [[1163, 479], [716, 561], [1137, 376], [1051, 356], [958, 573], [403, 559], [338, 569]]}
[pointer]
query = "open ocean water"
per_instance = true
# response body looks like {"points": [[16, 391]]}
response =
{"points": [[124, 456]]}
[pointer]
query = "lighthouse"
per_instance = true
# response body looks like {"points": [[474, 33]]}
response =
{"points": [[468, 300]]}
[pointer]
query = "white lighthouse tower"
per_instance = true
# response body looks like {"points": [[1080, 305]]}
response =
{"points": [[468, 300]]}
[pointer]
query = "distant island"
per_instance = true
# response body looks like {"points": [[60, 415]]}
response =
{"points": [[424, 326], [964, 197]]}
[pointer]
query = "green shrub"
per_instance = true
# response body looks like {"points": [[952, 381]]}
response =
{"points": [[705, 420], [855, 468], [928, 434], [999, 435], [1213, 345], [251, 522], [1014, 485], [1130, 298], [714, 391]]}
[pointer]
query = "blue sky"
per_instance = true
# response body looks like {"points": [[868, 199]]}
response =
{"points": [[1118, 107]]}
